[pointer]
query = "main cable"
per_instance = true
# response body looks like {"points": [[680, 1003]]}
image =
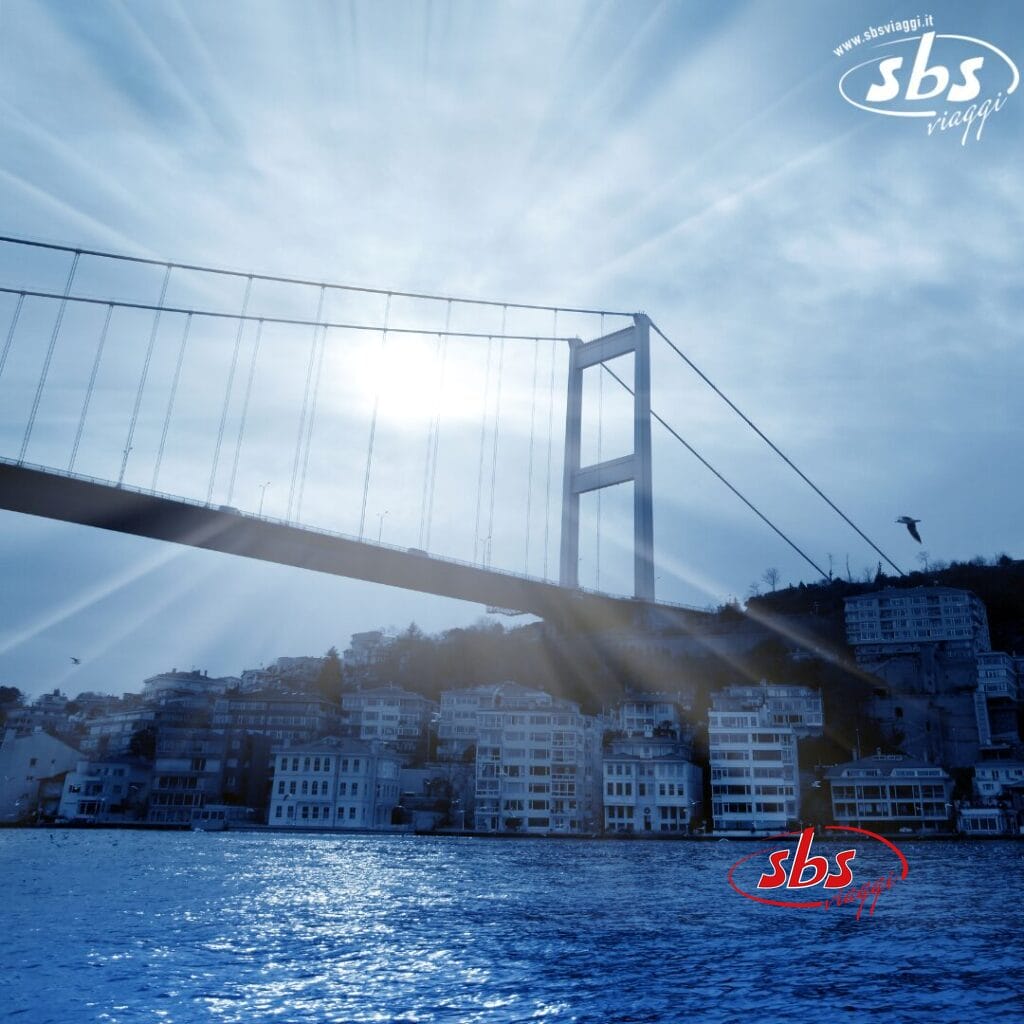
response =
{"points": [[700, 458], [775, 448]]}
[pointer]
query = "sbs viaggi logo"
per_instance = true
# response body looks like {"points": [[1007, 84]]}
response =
{"points": [[808, 881], [956, 82]]}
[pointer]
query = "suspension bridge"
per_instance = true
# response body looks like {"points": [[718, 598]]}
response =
{"points": [[285, 419]]}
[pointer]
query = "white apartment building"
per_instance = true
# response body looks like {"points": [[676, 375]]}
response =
{"points": [[391, 715], [27, 763], [892, 621], [650, 786], [335, 783], [752, 734], [106, 791], [538, 765]]}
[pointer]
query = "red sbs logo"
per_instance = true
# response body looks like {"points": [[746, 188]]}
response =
{"points": [[825, 883]]}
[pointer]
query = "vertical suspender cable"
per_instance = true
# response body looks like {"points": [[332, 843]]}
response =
{"points": [[600, 450], [170, 400], [312, 421], [245, 410], [305, 404], [10, 331], [483, 437], [494, 450], [49, 357], [89, 388], [227, 391], [373, 417], [437, 424], [429, 451], [529, 469], [142, 379], [551, 430]]}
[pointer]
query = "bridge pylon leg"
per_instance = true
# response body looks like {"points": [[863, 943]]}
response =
{"points": [[636, 467]]}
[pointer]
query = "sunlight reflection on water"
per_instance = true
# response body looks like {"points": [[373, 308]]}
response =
{"points": [[242, 927]]}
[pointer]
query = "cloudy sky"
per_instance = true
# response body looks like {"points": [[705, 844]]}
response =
{"points": [[850, 281]]}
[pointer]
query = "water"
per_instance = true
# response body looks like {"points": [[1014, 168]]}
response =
{"points": [[177, 927]]}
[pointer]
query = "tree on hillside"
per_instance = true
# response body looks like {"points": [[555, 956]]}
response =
{"points": [[329, 680]]}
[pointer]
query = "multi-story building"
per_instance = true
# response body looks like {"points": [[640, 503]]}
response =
{"points": [[288, 718], [366, 649], [104, 792], [752, 734], [188, 774], [335, 783], [993, 778], [647, 714], [391, 715], [891, 622], [888, 792], [286, 674], [457, 727], [996, 699], [538, 765], [650, 786], [194, 683], [28, 766], [48, 712]]}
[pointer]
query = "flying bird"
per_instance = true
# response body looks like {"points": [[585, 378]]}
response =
{"points": [[911, 525], [76, 661]]}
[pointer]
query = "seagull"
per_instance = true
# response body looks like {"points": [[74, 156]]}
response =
{"points": [[75, 661], [911, 525]]}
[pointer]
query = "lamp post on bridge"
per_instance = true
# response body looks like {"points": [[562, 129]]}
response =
{"points": [[380, 524], [263, 494]]}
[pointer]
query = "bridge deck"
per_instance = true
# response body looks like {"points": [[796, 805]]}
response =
{"points": [[41, 492]]}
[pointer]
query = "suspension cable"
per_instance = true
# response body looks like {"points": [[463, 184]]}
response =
{"points": [[227, 391], [89, 388], [10, 331], [483, 435], [312, 421], [494, 451], [551, 430], [142, 379], [49, 357], [373, 418], [775, 448], [170, 399], [437, 425], [600, 452], [529, 469], [334, 286], [245, 410], [290, 321], [305, 407], [700, 458]]}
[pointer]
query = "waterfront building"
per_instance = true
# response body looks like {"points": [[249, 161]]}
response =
{"points": [[105, 792], [752, 739], [391, 715], [285, 674], [335, 783], [889, 792], [457, 727], [985, 821], [29, 765], [538, 764], [648, 714], [650, 785], [188, 773], [892, 622]]}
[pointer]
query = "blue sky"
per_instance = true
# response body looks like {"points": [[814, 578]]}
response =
{"points": [[851, 282]]}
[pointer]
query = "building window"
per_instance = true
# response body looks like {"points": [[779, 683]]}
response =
{"points": [[352, 813], [316, 765], [277, 812], [342, 788], [327, 764], [355, 788], [305, 787], [280, 788], [305, 764]]}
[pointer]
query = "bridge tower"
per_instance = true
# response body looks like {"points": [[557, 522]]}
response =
{"points": [[577, 479]]}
